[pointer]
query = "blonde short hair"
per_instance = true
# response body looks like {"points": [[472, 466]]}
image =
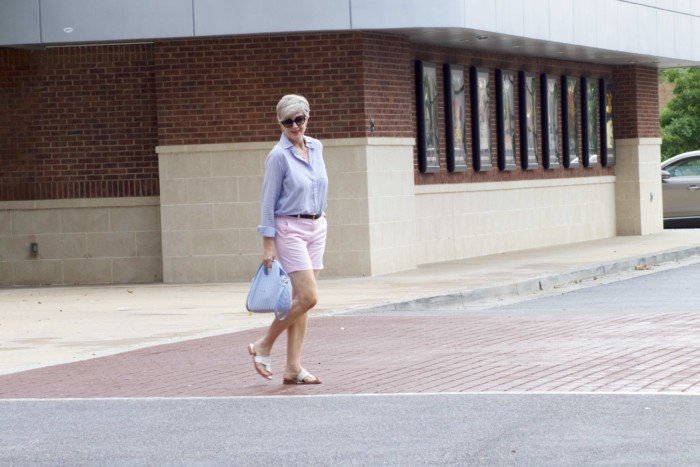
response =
{"points": [[292, 104]]}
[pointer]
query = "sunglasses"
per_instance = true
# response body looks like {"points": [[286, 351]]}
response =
{"points": [[288, 122]]}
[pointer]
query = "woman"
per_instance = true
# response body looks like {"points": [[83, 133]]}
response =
{"points": [[293, 228]]}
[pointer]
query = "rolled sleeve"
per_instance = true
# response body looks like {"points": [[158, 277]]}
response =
{"points": [[267, 231], [271, 189]]}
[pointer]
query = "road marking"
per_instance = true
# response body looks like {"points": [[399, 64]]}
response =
{"points": [[311, 396]]}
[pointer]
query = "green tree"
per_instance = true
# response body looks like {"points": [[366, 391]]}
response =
{"points": [[680, 120]]}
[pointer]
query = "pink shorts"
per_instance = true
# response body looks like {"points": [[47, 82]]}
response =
{"points": [[300, 243]]}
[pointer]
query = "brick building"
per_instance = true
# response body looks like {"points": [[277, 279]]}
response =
{"points": [[133, 134]]}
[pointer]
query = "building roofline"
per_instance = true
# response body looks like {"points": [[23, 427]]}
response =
{"points": [[623, 32]]}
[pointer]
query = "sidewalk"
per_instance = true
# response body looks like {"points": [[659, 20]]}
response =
{"points": [[47, 326]]}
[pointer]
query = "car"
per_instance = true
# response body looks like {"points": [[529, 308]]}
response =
{"points": [[680, 177]]}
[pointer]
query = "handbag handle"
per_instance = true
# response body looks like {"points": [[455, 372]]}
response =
{"points": [[275, 267]]}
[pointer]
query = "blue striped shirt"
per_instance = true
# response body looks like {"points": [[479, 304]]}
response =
{"points": [[292, 185]]}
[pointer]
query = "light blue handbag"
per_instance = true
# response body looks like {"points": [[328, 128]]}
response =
{"points": [[271, 291]]}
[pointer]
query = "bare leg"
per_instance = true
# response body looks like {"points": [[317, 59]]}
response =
{"points": [[305, 297], [295, 341]]}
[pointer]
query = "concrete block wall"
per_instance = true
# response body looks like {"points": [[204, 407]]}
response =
{"points": [[348, 242], [210, 209], [379, 221], [391, 201], [638, 188], [468, 220], [210, 198], [80, 241], [371, 210]]}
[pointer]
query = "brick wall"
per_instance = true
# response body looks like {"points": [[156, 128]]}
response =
{"points": [[636, 102], [83, 122], [77, 123], [388, 91], [226, 90], [16, 102]]}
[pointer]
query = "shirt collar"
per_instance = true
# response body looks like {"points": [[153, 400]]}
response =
{"points": [[288, 144]]}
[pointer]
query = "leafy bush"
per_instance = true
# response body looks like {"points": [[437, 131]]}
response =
{"points": [[680, 120]]}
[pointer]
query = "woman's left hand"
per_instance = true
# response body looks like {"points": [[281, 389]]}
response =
{"points": [[269, 251]]}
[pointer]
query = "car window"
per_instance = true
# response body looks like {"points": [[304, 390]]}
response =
{"points": [[685, 168]]}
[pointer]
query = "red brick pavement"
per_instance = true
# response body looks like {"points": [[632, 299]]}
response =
{"points": [[657, 353]]}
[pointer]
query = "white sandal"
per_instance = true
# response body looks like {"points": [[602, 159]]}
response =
{"points": [[301, 378], [266, 362]]}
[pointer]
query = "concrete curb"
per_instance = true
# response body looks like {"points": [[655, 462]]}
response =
{"points": [[528, 286]]}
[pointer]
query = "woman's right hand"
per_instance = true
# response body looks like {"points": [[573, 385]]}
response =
{"points": [[269, 252]]}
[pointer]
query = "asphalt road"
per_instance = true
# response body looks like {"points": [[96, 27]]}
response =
{"points": [[668, 290], [456, 429]]}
